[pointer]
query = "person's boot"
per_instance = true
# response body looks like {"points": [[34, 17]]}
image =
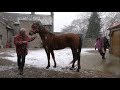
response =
{"points": [[18, 68], [103, 56], [21, 72]]}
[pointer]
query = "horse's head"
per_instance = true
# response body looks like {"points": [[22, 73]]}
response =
{"points": [[36, 27]]}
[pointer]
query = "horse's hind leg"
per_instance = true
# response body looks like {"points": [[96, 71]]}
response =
{"points": [[52, 53], [78, 57], [72, 65], [74, 58]]}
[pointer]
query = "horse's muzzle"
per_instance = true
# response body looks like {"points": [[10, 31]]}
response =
{"points": [[31, 33]]}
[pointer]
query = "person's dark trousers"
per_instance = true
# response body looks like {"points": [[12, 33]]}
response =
{"points": [[21, 62], [102, 54]]}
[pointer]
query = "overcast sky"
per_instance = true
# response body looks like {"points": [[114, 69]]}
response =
{"points": [[60, 18]]}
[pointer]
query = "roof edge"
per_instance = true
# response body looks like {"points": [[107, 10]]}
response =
{"points": [[114, 27]]}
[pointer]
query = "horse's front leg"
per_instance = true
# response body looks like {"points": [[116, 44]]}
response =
{"points": [[52, 53], [48, 57]]}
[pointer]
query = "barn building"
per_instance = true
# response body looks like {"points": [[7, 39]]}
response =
{"points": [[115, 40], [10, 23]]}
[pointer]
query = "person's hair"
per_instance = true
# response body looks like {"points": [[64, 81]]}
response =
{"points": [[22, 30]]}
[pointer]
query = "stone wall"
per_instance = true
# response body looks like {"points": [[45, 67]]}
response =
{"points": [[25, 21]]}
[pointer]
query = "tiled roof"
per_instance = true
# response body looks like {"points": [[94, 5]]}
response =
{"points": [[45, 19]]}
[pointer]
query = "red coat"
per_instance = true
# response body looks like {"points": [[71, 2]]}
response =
{"points": [[21, 46]]}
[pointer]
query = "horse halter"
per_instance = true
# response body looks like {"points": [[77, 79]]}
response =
{"points": [[35, 29]]}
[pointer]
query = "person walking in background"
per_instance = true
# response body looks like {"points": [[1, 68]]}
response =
{"points": [[100, 46], [21, 42]]}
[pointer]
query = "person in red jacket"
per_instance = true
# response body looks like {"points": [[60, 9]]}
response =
{"points": [[21, 42]]}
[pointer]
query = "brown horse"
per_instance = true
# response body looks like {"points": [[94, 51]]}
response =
{"points": [[52, 42]]}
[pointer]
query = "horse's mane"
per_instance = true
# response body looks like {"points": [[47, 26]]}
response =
{"points": [[50, 33], [43, 28]]}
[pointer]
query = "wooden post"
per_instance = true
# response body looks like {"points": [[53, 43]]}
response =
{"points": [[32, 13], [52, 15]]}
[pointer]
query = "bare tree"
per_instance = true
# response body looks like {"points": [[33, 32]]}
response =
{"points": [[108, 19], [68, 29], [78, 25], [81, 25]]}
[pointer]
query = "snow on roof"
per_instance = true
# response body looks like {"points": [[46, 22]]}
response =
{"points": [[45, 19], [114, 26]]}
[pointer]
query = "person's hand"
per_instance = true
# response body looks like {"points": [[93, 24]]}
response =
{"points": [[25, 42]]}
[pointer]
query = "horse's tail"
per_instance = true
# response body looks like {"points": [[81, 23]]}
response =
{"points": [[80, 43], [80, 47]]}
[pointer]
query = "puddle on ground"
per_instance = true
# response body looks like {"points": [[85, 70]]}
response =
{"points": [[110, 65]]}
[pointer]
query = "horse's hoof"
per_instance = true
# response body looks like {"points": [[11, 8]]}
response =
{"points": [[103, 58], [47, 67], [54, 66], [71, 68], [78, 70]]}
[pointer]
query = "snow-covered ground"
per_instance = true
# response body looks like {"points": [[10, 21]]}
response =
{"points": [[38, 58]]}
